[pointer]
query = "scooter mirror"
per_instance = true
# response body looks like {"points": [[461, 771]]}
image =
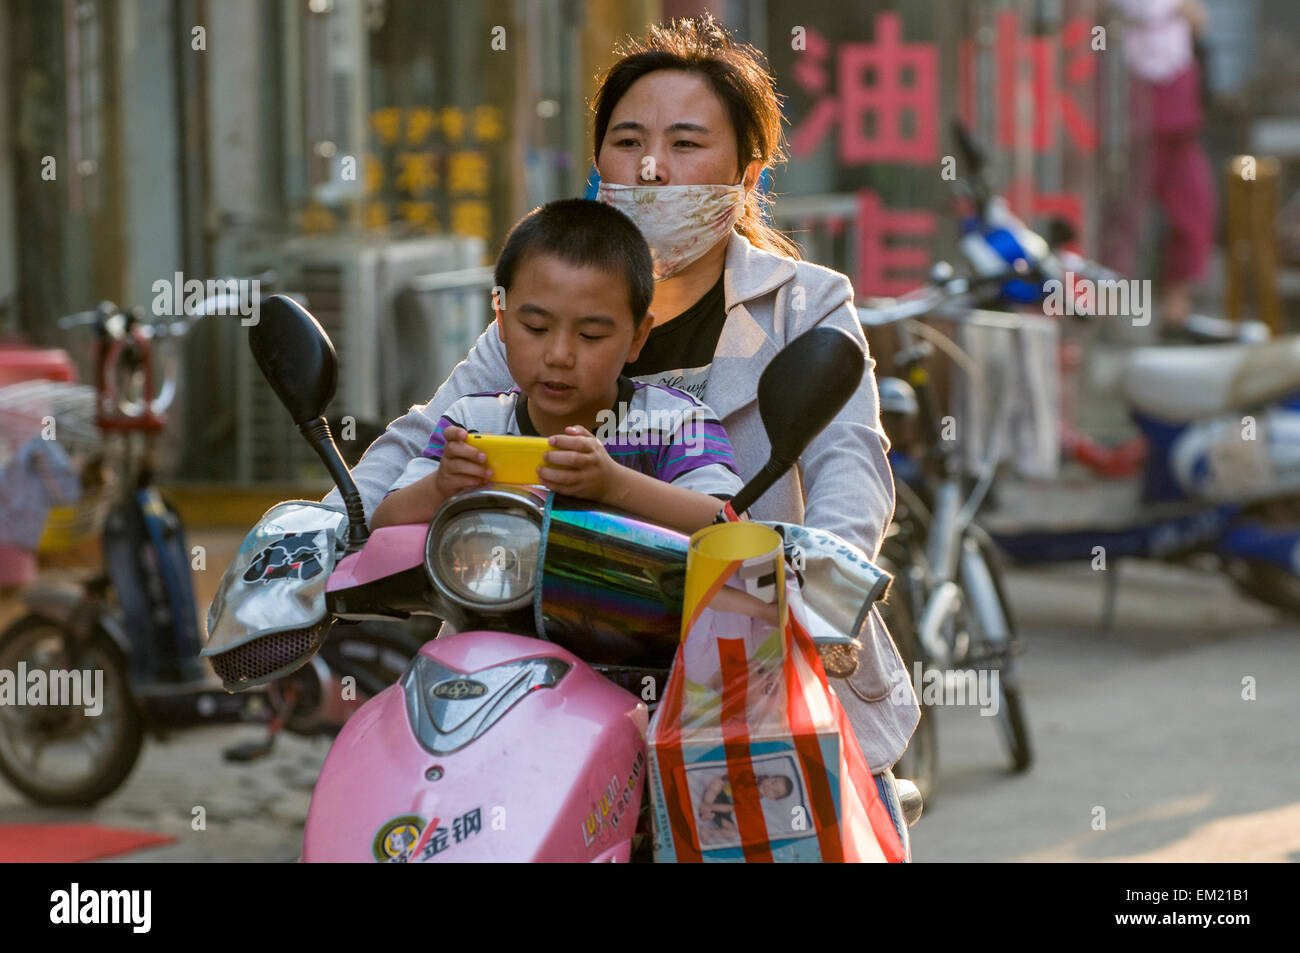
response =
{"points": [[799, 393], [972, 155], [1059, 232], [296, 357]]}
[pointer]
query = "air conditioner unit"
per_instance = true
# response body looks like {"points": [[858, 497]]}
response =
{"points": [[351, 286]]}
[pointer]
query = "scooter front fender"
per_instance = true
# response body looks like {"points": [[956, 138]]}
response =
{"points": [[493, 747]]}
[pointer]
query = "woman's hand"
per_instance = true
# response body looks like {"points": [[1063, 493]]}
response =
{"points": [[580, 466], [462, 466]]}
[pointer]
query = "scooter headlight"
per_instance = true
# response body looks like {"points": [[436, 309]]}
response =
{"points": [[485, 556]]}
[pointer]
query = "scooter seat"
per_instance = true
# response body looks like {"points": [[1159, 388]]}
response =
{"points": [[1182, 384]]}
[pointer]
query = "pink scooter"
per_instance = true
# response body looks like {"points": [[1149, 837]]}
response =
{"points": [[522, 737]]}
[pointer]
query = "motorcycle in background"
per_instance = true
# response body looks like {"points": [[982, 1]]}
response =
{"points": [[1215, 471], [1012, 264], [511, 739], [1221, 484]]}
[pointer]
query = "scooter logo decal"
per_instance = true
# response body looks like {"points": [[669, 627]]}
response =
{"points": [[294, 557], [459, 688], [405, 840], [397, 837]]}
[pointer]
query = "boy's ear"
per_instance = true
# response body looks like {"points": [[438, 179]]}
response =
{"points": [[501, 334], [639, 338]]}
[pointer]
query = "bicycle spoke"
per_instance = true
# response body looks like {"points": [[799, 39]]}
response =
{"points": [[36, 748], [88, 740]]}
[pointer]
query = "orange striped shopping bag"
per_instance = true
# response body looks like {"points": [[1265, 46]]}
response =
{"points": [[752, 757]]}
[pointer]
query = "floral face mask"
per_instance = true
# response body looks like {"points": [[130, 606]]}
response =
{"points": [[680, 222]]}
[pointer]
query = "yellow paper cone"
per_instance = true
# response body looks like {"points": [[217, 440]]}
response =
{"points": [[716, 553]]}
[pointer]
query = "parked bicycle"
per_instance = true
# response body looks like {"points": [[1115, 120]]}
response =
{"points": [[947, 609], [134, 620]]}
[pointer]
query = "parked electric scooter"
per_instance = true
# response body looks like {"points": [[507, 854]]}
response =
{"points": [[1221, 480], [1013, 265], [134, 620], [1219, 422], [510, 740]]}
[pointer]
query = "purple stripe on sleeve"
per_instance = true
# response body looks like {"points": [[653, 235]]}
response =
{"points": [[437, 442], [708, 445]]}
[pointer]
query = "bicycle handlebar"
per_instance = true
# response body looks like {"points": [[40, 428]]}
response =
{"points": [[922, 301], [129, 335], [919, 302], [83, 318]]}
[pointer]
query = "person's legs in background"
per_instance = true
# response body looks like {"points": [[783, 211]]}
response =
{"points": [[1185, 189]]}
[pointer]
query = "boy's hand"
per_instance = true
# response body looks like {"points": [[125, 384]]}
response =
{"points": [[462, 466], [579, 466]]}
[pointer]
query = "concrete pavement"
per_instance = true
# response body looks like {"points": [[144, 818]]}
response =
{"points": [[251, 812], [1148, 724]]}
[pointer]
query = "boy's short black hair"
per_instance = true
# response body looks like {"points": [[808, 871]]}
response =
{"points": [[584, 233]]}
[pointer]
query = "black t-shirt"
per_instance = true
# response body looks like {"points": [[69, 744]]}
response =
{"points": [[679, 353]]}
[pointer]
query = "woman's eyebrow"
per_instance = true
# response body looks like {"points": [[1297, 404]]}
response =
{"points": [[633, 126]]}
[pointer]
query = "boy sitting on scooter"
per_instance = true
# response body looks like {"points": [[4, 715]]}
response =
{"points": [[579, 280]]}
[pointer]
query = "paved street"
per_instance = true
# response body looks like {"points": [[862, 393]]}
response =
{"points": [[1147, 723], [252, 812]]}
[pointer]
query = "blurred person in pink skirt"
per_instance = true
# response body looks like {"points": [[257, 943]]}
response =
{"points": [[1169, 162]]}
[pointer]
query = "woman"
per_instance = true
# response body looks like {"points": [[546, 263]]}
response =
{"points": [[685, 124]]}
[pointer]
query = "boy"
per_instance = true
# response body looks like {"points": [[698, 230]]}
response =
{"points": [[579, 280]]}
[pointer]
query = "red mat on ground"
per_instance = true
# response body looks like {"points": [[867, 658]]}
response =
{"points": [[71, 843]]}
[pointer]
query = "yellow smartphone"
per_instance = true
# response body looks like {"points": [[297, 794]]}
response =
{"points": [[511, 459]]}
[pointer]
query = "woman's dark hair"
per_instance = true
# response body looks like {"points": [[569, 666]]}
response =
{"points": [[739, 76], [587, 234]]}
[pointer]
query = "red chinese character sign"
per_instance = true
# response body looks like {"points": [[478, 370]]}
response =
{"points": [[877, 103], [885, 265], [880, 85], [1052, 99]]}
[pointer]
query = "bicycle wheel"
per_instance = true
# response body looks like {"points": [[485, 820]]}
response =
{"points": [[920, 762], [1014, 729], [991, 618], [65, 755], [1266, 582]]}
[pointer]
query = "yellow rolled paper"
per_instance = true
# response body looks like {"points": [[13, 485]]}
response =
{"points": [[716, 554]]}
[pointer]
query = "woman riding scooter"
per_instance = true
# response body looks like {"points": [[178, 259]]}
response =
{"points": [[685, 124]]}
